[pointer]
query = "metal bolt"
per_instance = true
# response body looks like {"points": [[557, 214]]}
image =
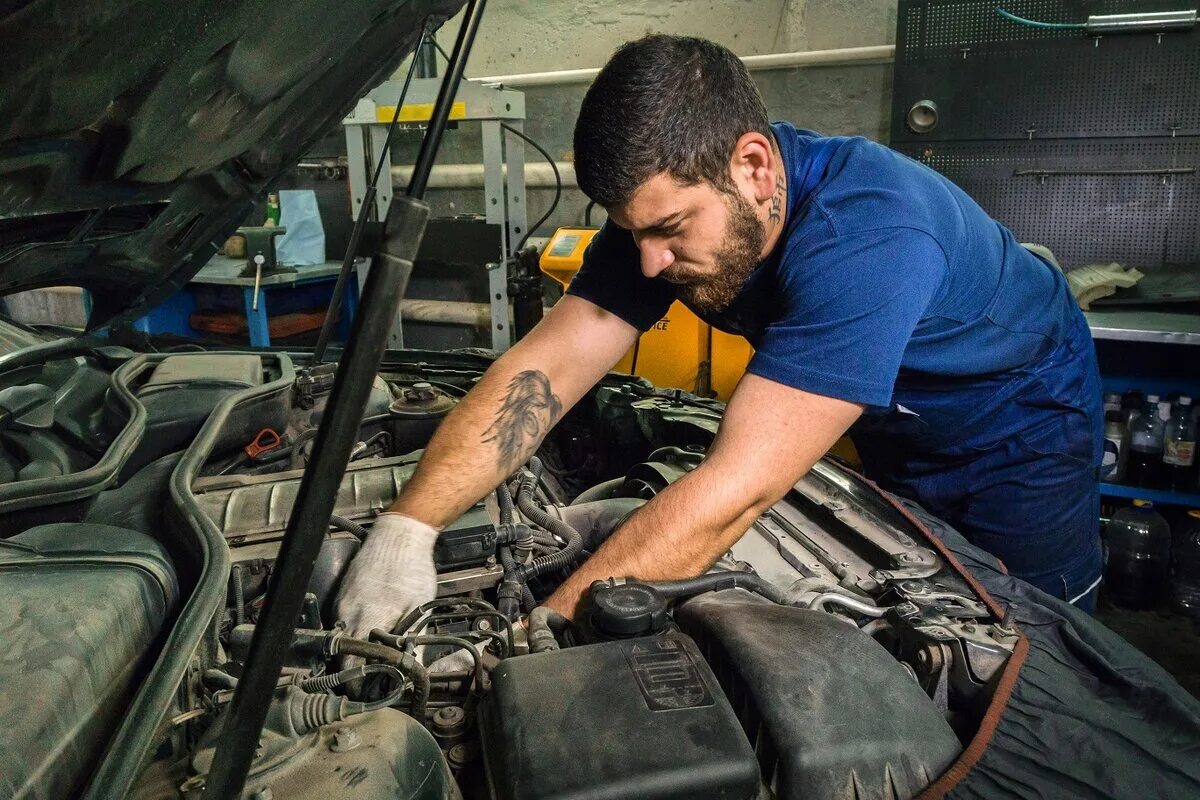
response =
{"points": [[345, 739], [449, 717], [264, 793], [483, 625], [458, 756], [968, 628]]}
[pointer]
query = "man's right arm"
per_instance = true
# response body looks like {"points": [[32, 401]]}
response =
{"points": [[501, 422], [488, 436]]}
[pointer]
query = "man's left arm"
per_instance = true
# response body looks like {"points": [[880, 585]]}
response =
{"points": [[770, 436]]}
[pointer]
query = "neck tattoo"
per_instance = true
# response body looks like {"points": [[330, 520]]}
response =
{"points": [[775, 215]]}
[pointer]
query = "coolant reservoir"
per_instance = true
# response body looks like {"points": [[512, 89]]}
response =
{"points": [[415, 414], [1139, 556]]}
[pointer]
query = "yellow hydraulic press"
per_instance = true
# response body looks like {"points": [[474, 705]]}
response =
{"points": [[681, 351]]}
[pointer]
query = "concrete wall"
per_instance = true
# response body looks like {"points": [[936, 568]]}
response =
{"points": [[520, 36], [539, 35]]}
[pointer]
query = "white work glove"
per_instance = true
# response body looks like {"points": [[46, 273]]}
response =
{"points": [[392, 574]]}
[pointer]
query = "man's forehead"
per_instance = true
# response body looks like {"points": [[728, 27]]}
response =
{"points": [[656, 202]]}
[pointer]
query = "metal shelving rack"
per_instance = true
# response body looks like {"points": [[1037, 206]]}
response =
{"points": [[503, 168], [1162, 496], [1140, 325]]}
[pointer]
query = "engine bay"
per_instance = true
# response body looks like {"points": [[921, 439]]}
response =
{"points": [[835, 650]]}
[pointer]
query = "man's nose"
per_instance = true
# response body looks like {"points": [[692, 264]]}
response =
{"points": [[655, 258]]}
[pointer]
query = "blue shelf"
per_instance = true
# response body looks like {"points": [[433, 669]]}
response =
{"points": [[1162, 496]]}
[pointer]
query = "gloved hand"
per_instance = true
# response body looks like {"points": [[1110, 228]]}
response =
{"points": [[392, 574]]}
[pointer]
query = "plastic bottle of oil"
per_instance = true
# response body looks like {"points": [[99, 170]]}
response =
{"points": [[1139, 556], [1185, 580], [1179, 446], [1145, 466]]}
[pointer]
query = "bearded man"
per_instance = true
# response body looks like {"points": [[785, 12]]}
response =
{"points": [[879, 298]]}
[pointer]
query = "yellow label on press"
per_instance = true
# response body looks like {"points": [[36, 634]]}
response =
{"points": [[418, 112]]}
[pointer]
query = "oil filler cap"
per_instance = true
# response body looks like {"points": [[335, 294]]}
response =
{"points": [[628, 609]]}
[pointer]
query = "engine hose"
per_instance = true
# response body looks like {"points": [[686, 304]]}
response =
{"points": [[528, 603], [519, 536], [539, 517], [295, 460], [543, 622], [716, 581], [221, 680], [327, 682], [324, 683], [450, 641], [406, 664], [597, 520], [347, 525], [546, 540], [512, 588], [504, 499], [850, 603], [239, 595], [601, 491]]}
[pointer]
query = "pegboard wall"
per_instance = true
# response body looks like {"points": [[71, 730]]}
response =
{"points": [[1034, 123]]}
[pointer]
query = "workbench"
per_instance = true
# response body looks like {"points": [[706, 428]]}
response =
{"points": [[174, 314]]}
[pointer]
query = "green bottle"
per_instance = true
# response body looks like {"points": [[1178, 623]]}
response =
{"points": [[272, 211]]}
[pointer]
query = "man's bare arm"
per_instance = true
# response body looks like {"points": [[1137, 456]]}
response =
{"points": [[770, 436], [501, 422]]}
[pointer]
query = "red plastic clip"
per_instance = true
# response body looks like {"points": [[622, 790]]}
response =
{"points": [[267, 439]]}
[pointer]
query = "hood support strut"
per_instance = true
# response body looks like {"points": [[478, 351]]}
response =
{"points": [[309, 521]]}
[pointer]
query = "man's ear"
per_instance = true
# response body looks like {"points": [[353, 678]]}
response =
{"points": [[754, 164]]}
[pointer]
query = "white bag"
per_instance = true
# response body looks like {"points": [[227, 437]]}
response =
{"points": [[304, 242]]}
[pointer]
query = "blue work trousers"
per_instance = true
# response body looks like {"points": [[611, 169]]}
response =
{"points": [[1012, 462]]}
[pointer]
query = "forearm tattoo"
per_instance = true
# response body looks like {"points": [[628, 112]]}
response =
{"points": [[776, 211], [527, 415]]}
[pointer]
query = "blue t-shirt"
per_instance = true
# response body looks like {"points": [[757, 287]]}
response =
{"points": [[889, 285]]}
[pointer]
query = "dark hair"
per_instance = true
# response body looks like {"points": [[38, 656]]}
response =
{"points": [[673, 104]]}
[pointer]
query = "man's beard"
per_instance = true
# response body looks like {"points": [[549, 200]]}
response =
{"points": [[734, 261]]}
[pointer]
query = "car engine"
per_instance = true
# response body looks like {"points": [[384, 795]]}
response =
{"points": [[835, 650]]}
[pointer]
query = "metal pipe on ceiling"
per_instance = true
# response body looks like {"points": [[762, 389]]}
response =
{"points": [[538, 175], [873, 54]]}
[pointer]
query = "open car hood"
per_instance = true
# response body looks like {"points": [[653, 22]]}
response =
{"points": [[135, 136]]}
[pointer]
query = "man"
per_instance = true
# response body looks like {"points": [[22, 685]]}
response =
{"points": [[876, 294]]}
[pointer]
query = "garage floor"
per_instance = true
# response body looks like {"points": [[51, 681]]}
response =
{"points": [[1170, 639]]}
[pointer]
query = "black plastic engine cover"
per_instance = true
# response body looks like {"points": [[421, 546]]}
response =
{"points": [[829, 711], [640, 718], [470, 540]]}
